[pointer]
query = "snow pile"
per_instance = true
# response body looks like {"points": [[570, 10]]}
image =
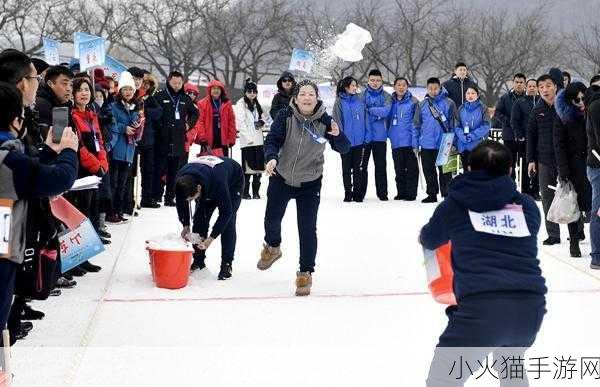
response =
{"points": [[169, 242]]}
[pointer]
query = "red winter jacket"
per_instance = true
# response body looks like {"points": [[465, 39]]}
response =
{"points": [[204, 126], [90, 158], [191, 134]]}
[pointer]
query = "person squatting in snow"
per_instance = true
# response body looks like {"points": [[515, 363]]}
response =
{"points": [[213, 182], [294, 152], [498, 282]]}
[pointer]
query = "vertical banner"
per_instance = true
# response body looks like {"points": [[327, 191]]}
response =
{"points": [[302, 60], [91, 53], [78, 38], [113, 68], [51, 55]]}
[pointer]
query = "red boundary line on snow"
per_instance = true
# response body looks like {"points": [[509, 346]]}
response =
{"points": [[256, 298]]}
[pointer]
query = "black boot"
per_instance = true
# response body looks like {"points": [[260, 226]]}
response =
{"points": [[256, 187], [551, 241], [574, 249], [30, 314], [103, 234], [78, 271], [88, 266], [64, 283], [348, 197], [430, 199], [225, 272]]}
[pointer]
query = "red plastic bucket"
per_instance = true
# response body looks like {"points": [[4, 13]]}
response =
{"points": [[441, 286], [170, 269]]}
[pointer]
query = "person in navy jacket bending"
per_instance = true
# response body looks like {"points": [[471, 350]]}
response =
{"points": [[213, 182], [498, 283]]}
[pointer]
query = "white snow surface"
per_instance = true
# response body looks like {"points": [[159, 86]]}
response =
{"points": [[369, 321]]}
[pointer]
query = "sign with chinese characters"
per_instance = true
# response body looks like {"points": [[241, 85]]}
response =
{"points": [[79, 245], [51, 55], [302, 60], [509, 221], [113, 68], [6, 206], [80, 37], [445, 149], [91, 53]]}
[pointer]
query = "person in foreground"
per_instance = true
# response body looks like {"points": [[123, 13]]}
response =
{"points": [[294, 154], [498, 282], [213, 182]]}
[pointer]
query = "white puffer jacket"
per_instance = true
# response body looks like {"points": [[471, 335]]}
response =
{"points": [[244, 119]]}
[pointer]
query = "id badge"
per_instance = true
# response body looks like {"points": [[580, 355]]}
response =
{"points": [[6, 207], [395, 121], [443, 117], [177, 116], [466, 129]]}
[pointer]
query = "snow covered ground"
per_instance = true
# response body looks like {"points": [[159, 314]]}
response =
{"points": [[369, 321]]}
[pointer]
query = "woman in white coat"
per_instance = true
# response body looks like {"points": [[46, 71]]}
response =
{"points": [[248, 117]]}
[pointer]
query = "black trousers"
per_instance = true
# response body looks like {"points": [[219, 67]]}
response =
{"points": [[528, 185], [204, 211], [255, 183], [147, 171], [8, 271], [407, 172], [119, 174], [379, 158], [352, 173], [428, 157], [166, 168], [548, 175], [87, 202], [308, 199], [505, 325], [364, 168]]}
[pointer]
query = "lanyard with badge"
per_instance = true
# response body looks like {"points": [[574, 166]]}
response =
{"points": [[90, 125], [6, 207], [313, 134], [177, 116]]}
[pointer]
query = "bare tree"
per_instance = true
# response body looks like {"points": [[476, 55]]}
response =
{"points": [[414, 30], [585, 52], [34, 21], [164, 34]]}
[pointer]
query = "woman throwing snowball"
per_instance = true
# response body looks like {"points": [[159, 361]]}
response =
{"points": [[294, 154]]}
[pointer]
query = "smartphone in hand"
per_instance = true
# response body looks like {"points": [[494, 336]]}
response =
{"points": [[60, 120]]}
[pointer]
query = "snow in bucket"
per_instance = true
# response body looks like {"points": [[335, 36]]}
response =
{"points": [[168, 242]]}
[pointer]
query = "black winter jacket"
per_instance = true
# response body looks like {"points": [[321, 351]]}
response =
{"points": [[170, 133], [456, 89], [593, 130], [519, 116], [503, 114], [540, 134]]}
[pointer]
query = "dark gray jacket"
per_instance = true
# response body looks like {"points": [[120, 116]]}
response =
{"points": [[298, 142]]}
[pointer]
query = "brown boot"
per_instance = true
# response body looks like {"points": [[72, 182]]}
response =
{"points": [[268, 256], [303, 283]]}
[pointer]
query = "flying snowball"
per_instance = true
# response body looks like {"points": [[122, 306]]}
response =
{"points": [[350, 43]]}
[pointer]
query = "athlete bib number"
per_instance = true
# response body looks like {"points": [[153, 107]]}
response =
{"points": [[509, 222], [211, 161]]}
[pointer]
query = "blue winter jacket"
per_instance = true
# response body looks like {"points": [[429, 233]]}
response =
{"points": [[472, 125], [429, 128], [402, 132], [378, 104], [122, 148], [486, 262], [350, 113]]}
